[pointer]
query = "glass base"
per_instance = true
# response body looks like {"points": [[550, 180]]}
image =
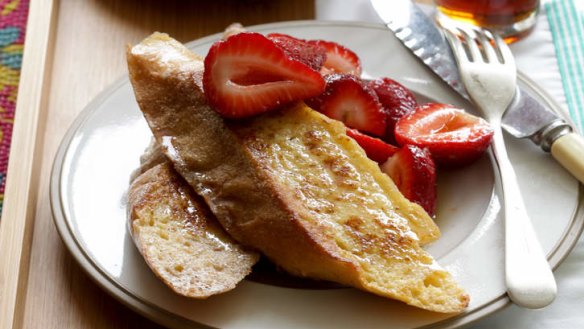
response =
{"points": [[510, 33]]}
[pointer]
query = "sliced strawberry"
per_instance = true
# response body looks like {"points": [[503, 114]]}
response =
{"points": [[339, 59], [347, 99], [300, 50], [247, 74], [396, 99], [454, 137], [413, 171], [376, 149]]}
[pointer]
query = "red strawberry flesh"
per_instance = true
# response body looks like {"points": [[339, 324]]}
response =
{"points": [[376, 149], [347, 99], [414, 173], [453, 136], [397, 101], [339, 59], [301, 50], [247, 74]]}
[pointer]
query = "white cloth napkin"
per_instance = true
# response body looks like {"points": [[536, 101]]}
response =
{"points": [[536, 57], [566, 22]]}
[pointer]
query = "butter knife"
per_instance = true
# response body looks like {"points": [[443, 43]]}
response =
{"points": [[526, 117]]}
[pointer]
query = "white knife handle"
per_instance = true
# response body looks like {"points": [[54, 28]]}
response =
{"points": [[568, 150]]}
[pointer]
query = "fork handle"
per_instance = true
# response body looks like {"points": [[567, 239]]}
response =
{"points": [[529, 278]]}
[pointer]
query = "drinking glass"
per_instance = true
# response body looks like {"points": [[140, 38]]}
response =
{"points": [[512, 19]]}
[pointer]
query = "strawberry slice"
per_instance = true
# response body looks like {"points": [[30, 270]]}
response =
{"points": [[396, 99], [301, 50], [414, 172], [339, 59], [347, 99], [376, 149], [454, 137], [247, 74]]}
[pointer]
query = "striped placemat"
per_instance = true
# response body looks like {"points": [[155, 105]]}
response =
{"points": [[13, 15], [566, 20]]}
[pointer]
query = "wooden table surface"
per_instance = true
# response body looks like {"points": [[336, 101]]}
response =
{"points": [[87, 50]]}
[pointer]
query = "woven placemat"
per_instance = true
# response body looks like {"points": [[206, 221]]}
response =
{"points": [[13, 15]]}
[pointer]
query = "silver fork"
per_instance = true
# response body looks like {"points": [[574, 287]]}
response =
{"points": [[488, 71]]}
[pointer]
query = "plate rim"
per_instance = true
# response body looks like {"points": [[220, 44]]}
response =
{"points": [[559, 252]]}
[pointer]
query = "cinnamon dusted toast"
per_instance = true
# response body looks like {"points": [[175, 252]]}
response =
{"points": [[179, 237], [151, 157], [292, 185]]}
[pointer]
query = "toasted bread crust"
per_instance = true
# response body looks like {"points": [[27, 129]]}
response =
{"points": [[222, 162], [151, 157], [180, 239], [210, 157]]}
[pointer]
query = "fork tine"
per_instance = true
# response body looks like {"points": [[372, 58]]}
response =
{"points": [[506, 54], [489, 45], [469, 38], [455, 43]]}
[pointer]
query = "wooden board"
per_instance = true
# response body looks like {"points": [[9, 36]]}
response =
{"points": [[41, 286], [18, 215]]}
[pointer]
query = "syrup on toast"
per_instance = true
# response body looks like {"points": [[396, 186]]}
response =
{"points": [[179, 237], [292, 185]]}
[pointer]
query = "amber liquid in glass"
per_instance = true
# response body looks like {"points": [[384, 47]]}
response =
{"points": [[512, 19]]}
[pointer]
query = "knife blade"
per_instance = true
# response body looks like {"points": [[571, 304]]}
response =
{"points": [[526, 117], [412, 27]]}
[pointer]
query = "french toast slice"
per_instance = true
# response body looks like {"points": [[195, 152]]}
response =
{"points": [[292, 185], [151, 157], [180, 239]]}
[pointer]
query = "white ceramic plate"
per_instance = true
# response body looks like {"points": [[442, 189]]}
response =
{"points": [[91, 175]]}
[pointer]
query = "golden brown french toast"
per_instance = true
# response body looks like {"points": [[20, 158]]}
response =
{"points": [[179, 237], [292, 185]]}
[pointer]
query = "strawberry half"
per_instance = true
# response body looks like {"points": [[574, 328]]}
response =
{"points": [[414, 173], [347, 99], [301, 50], [396, 99], [247, 74], [339, 59], [376, 149], [454, 137]]}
